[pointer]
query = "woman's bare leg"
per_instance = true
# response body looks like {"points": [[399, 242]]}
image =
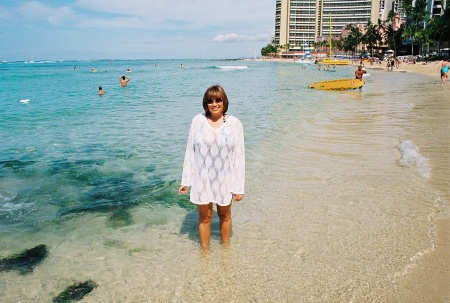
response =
{"points": [[224, 213], [204, 223]]}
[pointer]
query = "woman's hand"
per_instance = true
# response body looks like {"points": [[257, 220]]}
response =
{"points": [[183, 189], [238, 197]]}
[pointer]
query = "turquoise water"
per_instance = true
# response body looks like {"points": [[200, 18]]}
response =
{"points": [[70, 151], [342, 194]]}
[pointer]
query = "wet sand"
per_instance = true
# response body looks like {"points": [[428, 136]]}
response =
{"points": [[428, 279]]}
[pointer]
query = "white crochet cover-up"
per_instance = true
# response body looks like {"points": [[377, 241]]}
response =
{"points": [[214, 163]]}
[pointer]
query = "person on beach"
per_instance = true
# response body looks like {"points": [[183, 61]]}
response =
{"points": [[444, 71], [124, 80], [359, 73], [214, 164], [100, 91]]}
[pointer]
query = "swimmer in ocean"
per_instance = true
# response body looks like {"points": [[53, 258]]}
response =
{"points": [[124, 80]]}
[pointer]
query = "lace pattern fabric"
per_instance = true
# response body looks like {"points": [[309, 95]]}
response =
{"points": [[214, 163]]}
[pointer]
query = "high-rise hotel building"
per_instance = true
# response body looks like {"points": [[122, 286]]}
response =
{"points": [[305, 21], [300, 21]]}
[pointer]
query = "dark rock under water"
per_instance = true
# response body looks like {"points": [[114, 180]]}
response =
{"points": [[25, 261], [75, 292]]}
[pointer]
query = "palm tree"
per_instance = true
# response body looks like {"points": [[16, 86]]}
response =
{"points": [[353, 39], [391, 35], [319, 45], [434, 30], [439, 27], [445, 30], [416, 18], [371, 36], [410, 32]]}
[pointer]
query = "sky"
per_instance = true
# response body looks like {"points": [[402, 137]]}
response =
{"points": [[134, 29]]}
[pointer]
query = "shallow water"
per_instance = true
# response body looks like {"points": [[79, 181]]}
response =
{"points": [[342, 190]]}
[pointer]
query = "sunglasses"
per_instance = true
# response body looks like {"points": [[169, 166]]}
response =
{"points": [[218, 100]]}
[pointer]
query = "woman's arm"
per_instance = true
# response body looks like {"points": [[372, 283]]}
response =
{"points": [[188, 165], [239, 163]]}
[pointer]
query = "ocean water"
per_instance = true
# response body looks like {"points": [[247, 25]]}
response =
{"points": [[343, 188]]}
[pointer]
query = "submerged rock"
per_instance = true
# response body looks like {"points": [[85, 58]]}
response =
{"points": [[75, 292], [25, 261]]}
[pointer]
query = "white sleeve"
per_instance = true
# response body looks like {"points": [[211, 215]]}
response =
{"points": [[239, 161], [188, 166]]}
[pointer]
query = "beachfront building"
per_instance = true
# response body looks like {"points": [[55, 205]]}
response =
{"points": [[384, 9], [346, 12], [398, 8], [300, 21], [436, 7], [391, 5]]}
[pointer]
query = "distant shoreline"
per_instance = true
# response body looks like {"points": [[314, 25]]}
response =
{"points": [[429, 69]]}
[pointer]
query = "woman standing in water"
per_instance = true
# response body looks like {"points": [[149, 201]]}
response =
{"points": [[214, 163]]}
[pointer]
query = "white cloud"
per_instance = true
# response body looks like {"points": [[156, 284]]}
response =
{"points": [[249, 14], [183, 28], [193, 15], [240, 38], [38, 10]]}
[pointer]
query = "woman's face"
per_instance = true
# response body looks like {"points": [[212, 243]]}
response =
{"points": [[215, 106]]}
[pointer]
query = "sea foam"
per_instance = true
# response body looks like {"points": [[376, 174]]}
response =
{"points": [[233, 67], [412, 157]]}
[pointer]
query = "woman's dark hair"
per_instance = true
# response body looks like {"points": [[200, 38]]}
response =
{"points": [[215, 92]]}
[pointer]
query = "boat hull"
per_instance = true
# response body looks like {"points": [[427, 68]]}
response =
{"points": [[334, 62], [341, 84]]}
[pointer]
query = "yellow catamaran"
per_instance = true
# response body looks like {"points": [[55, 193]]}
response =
{"points": [[330, 60]]}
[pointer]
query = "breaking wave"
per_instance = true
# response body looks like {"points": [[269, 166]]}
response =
{"points": [[412, 157]]}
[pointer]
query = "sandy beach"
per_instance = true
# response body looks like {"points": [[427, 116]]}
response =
{"points": [[428, 280], [429, 69]]}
